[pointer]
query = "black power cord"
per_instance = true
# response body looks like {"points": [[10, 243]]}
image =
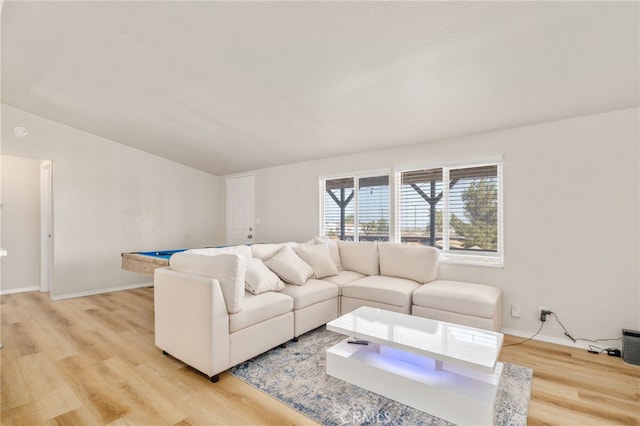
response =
{"points": [[592, 349], [530, 338], [566, 333]]}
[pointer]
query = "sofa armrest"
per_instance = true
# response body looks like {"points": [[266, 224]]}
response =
{"points": [[191, 320]]}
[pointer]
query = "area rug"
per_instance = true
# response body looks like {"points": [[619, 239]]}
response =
{"points": [[296, 376]]}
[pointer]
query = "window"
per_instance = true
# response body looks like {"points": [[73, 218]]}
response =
{"points": [[421, 207], [456, 209], [373, 208], [350, 215], [339, 208]]}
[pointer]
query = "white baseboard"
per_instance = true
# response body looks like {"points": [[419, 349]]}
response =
{"points": [[19, 290], [101, 291], [561, 340]]}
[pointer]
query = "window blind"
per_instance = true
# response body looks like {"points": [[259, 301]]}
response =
{"points": [[421, 207], [456, 209], [373, 208], [473, 208], [339, 208]]}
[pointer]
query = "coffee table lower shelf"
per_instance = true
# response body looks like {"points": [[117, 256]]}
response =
{"points": [[450, 392]]}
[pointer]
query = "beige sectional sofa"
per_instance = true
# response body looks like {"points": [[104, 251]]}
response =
{"points": [[215, 308]]}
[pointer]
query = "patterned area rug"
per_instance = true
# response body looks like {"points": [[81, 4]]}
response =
{"points": [[296, 376]]}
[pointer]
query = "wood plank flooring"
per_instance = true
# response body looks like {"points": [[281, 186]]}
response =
{"points": [[92, 361]]}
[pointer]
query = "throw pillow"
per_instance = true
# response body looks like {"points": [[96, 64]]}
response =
{"points": [[333, 249], [288, 266], [259, 278], [319, 258]]}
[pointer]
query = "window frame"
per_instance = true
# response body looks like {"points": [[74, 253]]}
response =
{"points": [[356, 180], [460, 257], [448, 256]]}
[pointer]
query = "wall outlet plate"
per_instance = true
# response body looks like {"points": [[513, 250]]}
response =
{"points": [[515, 311]]}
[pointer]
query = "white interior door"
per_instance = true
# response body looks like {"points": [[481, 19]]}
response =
{"points": [[240, 210]]}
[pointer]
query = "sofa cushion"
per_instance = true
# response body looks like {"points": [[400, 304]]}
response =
{"points": [[333, 249], [417, 263], [343, 278], [229, 269], [390, 290], [360, 257], [240, 249], [460, 297], [259, 278], [288, 266], [265, 251], [312, 292], [259, 308], [319, 258]]}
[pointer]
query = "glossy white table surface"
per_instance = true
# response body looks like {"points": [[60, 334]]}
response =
{"points": [[454, 344]]}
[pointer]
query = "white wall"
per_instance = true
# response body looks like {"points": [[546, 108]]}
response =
{"points": [[571, 192], [108, 199], [20, 224]]}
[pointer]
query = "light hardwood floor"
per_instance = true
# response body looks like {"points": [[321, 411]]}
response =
{"points": [[92, 360]]}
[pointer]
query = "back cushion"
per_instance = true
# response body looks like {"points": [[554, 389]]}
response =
{"points": [[265, 251], [418, 263], [333, 250], [241, 249], [359, 257], [229, 269]]}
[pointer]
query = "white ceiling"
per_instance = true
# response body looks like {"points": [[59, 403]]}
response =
{"points": [[234, 86]]}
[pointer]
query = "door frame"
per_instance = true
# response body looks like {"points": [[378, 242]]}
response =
{"points": [[252, 201], [46, 225]]}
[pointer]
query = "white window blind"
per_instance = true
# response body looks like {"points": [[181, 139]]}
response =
{"points": [[351, 215], [473, 209], [421, 207], [456, 209], [339, 208], [373, 208]]}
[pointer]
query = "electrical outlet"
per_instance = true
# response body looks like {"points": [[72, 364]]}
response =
{"points": [[515, 311], [543, 313]]}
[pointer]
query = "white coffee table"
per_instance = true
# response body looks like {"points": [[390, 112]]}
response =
{"points": [[447, 370]]}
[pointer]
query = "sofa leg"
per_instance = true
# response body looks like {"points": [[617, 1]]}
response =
{"points": [[214, 379], [164, 353], [295, 339], [284, 345]]}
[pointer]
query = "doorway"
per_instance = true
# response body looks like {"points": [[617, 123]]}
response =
{"points": [[27, 217]]}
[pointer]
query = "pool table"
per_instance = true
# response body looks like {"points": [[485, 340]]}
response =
{"points": [[145, 262]]}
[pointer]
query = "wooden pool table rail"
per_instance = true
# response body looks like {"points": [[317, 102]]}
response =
{"points": [[145, 262], [142, 264]]}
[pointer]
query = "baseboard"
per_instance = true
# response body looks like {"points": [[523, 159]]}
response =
{"points": [[564, 341], [19, 290], [101, 291]]}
